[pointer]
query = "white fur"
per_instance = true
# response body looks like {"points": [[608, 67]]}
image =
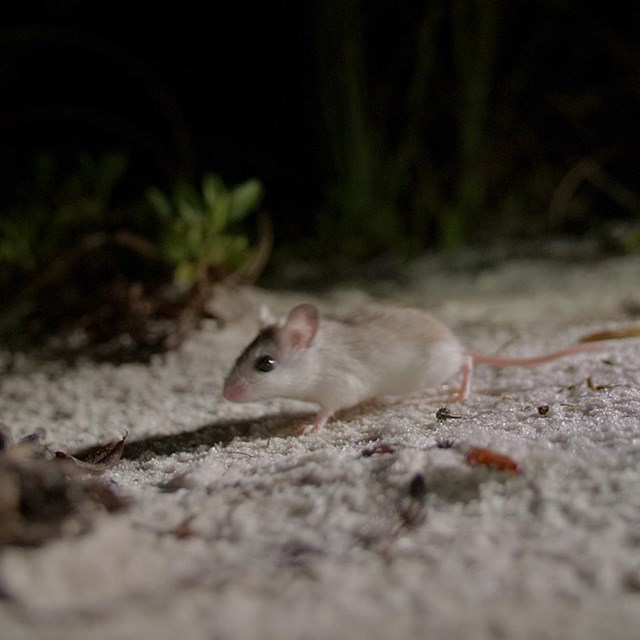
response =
{"points": [[382, 351]]}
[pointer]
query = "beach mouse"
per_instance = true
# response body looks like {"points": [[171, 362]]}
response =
{"points": [[339, 363]]}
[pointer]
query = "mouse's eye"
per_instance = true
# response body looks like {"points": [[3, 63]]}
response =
{"points": [[265, 363]]}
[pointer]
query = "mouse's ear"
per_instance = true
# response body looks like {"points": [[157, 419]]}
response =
{"points": [[266, 318], [301, 326]]}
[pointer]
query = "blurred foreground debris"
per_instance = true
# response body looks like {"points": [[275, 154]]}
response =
{"points": [[43, 496]]}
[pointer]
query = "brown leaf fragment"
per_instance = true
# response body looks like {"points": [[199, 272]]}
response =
{"points": [[379, 448], [595, 387], [42, 499], [612, 334], [97, 459], [443, 413]]}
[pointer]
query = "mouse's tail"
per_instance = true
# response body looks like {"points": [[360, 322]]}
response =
{"points": [[496, 361]]}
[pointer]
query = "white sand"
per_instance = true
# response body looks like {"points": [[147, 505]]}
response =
{"points": [[303, 537]]}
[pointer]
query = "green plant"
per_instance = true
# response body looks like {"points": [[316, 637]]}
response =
{"points": [[54, 208], [369, 173], [474, 27], [384, 193], [197, 228]]}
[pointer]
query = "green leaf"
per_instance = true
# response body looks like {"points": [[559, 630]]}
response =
{"points": [[219, 215], [193, 225], [17, 237], [233, 250], [215, 252], [186, 195], [212, 187], [159, 202], [245, 198], [109, 170], [191, 215], [186, 273]]}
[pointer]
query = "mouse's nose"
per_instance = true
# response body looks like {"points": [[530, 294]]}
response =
{"points": [[233, 390]]}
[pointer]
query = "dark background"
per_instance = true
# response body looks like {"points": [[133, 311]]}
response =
{"points": [[236, 87], [182, 87]]}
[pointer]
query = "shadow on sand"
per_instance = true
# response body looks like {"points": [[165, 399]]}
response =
{"points": [[216, 433]]}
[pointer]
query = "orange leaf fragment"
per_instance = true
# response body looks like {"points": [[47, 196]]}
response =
{"points": [[482, 456]]}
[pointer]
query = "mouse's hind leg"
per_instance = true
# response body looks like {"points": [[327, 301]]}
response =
{"points": [[320, 420]]}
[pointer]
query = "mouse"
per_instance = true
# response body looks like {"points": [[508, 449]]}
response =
{"points": [[338, 363]]}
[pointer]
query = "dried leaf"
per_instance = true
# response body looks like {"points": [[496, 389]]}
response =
{"points": [[612, 334], [595, 387], [39, 499], [97, 459], [379, 448], [40, 496], [443, 413]]}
